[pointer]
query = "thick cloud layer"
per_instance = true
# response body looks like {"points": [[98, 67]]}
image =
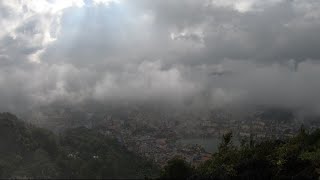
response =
{"points": [[232, 52]]}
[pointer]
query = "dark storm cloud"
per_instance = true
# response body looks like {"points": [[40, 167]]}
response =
{"points": [[242, 52]]}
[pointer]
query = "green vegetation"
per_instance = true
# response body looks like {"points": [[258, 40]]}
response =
{"points": [[177, 168], [30, 152], [88, 154], [295, 158]]}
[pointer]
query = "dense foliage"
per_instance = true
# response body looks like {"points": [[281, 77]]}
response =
{"points": [[30, 152], [295, 158]]}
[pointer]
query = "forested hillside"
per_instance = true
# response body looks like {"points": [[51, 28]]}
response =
{"points": [[295, 158], [30, 152]]}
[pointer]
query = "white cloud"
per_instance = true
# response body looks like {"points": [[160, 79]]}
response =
{"points": [[105, 2], [98, 51], [244, 5], [36, 22]]}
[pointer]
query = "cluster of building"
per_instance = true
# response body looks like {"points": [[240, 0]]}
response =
{"points": [[253, 126], [154, 134], [158, 145]]}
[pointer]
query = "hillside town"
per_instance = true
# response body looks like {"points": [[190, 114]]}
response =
{"points": [[156, 135]]}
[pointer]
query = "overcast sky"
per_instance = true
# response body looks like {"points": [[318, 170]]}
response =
{"points": [[257, 52]]}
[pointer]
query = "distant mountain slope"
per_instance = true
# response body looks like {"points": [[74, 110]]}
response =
{"points": [[27, 151], [86, 153]]}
